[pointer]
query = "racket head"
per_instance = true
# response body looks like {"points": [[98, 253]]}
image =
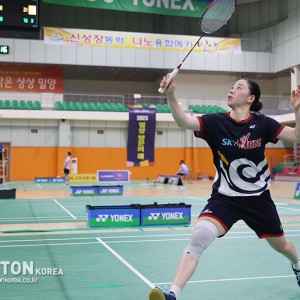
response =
{"points": [[216, 15]]}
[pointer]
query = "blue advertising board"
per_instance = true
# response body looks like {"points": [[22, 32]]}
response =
{"points": [[165, 214], [297, 191], [78, 191], [49, 179], [138, 215], [107, 190], [114, 190], [112, 216], [113, 176]]}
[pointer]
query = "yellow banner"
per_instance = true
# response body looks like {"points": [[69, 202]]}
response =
{"points": [[83, 178], [115, 39]]}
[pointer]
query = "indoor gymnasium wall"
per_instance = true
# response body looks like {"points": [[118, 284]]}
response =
{"points": [[29, 162]]}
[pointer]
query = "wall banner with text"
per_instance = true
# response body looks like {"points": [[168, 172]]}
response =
{"points": [[182, 8], [139, 40], [31, 79], [141, 135]]}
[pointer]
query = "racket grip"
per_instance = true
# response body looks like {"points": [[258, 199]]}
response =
{"points": [[172, 75]]}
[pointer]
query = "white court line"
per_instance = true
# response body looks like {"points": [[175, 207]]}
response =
{"points": [[109, 242], [39, 185], [127, 264], [164, 236], [65, 209], [230, 279]]}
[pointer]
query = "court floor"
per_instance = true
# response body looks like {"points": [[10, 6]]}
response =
{"points": [[48, 252]]}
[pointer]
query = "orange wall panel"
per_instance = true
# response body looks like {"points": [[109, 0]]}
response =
{"points": [[26, 163]]}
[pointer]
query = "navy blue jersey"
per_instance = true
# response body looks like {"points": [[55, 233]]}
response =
{"points": [[239, 151]]}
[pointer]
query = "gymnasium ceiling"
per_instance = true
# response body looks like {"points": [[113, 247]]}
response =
{"points": [[73, 72]]}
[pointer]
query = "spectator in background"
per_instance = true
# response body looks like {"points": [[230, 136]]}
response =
{"points": [[67, 167], [183, 170]]}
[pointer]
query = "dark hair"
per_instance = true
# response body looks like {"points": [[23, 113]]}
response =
{"points": [[255, 91], [181, 161], [69, 153]]}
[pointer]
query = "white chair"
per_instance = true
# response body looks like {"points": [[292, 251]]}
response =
{"points": [[187, 176]]}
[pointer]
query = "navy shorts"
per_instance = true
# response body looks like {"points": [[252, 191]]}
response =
{"points": [[258, 212], [66, 171]]}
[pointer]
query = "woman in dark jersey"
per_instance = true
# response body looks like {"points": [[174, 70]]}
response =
{"points": [[241, 186]]}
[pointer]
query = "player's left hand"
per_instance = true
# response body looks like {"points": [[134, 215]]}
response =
{"points": [[295, 98]]}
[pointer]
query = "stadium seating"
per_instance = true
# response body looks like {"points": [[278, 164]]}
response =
{"points": [[20, 104]]}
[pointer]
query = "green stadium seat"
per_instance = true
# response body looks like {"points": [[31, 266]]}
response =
{"points": [[29, 104], [66, 106], [37, 105], [58, 105], [79, 106], [15, 104], [7, 104], [1, 104], [22, 104]]}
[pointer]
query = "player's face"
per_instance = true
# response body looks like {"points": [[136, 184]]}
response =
{"points": [[239, 94]]}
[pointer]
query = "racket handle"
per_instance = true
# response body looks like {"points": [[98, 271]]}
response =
{"points": [[172, 75]]}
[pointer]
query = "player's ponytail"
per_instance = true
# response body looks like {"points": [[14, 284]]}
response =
{"points": [[254, 90]]}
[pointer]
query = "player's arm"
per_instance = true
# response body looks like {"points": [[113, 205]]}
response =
{"points": [[180, 117], [288, 133]]}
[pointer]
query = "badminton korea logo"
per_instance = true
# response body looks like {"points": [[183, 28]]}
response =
{"points": [[24, 272]]}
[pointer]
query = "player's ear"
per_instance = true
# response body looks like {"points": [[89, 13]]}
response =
{"points": [[251, 99]]}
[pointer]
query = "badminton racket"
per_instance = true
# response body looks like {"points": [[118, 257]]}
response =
{"points": [[213, 19]]}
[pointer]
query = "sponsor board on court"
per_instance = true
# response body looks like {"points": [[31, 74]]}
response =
{"points": [[78, 191], [138, 215], [112, 216], [83, 178], [49, 179], [166, 215]]}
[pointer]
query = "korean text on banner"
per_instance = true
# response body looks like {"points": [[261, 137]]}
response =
{"points": [[31, 79], [141, 135], [139, 40]]}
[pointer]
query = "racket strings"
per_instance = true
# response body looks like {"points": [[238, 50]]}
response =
{"points": [[217, 15]]}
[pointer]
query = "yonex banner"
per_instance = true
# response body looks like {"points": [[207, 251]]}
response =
{"points": [[112, 216], [141, 134], [183, 8], [116, 190], [170, 214], [138, 215], [83, 191], [49, 179]]}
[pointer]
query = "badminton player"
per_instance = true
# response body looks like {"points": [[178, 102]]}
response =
{"points": [[67, 167], [241, 186]]}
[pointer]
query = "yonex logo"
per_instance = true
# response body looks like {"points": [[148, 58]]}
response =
{"points": [[166, 216], [153, 216], [115, 218], [102, 218], [86, 192]]}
